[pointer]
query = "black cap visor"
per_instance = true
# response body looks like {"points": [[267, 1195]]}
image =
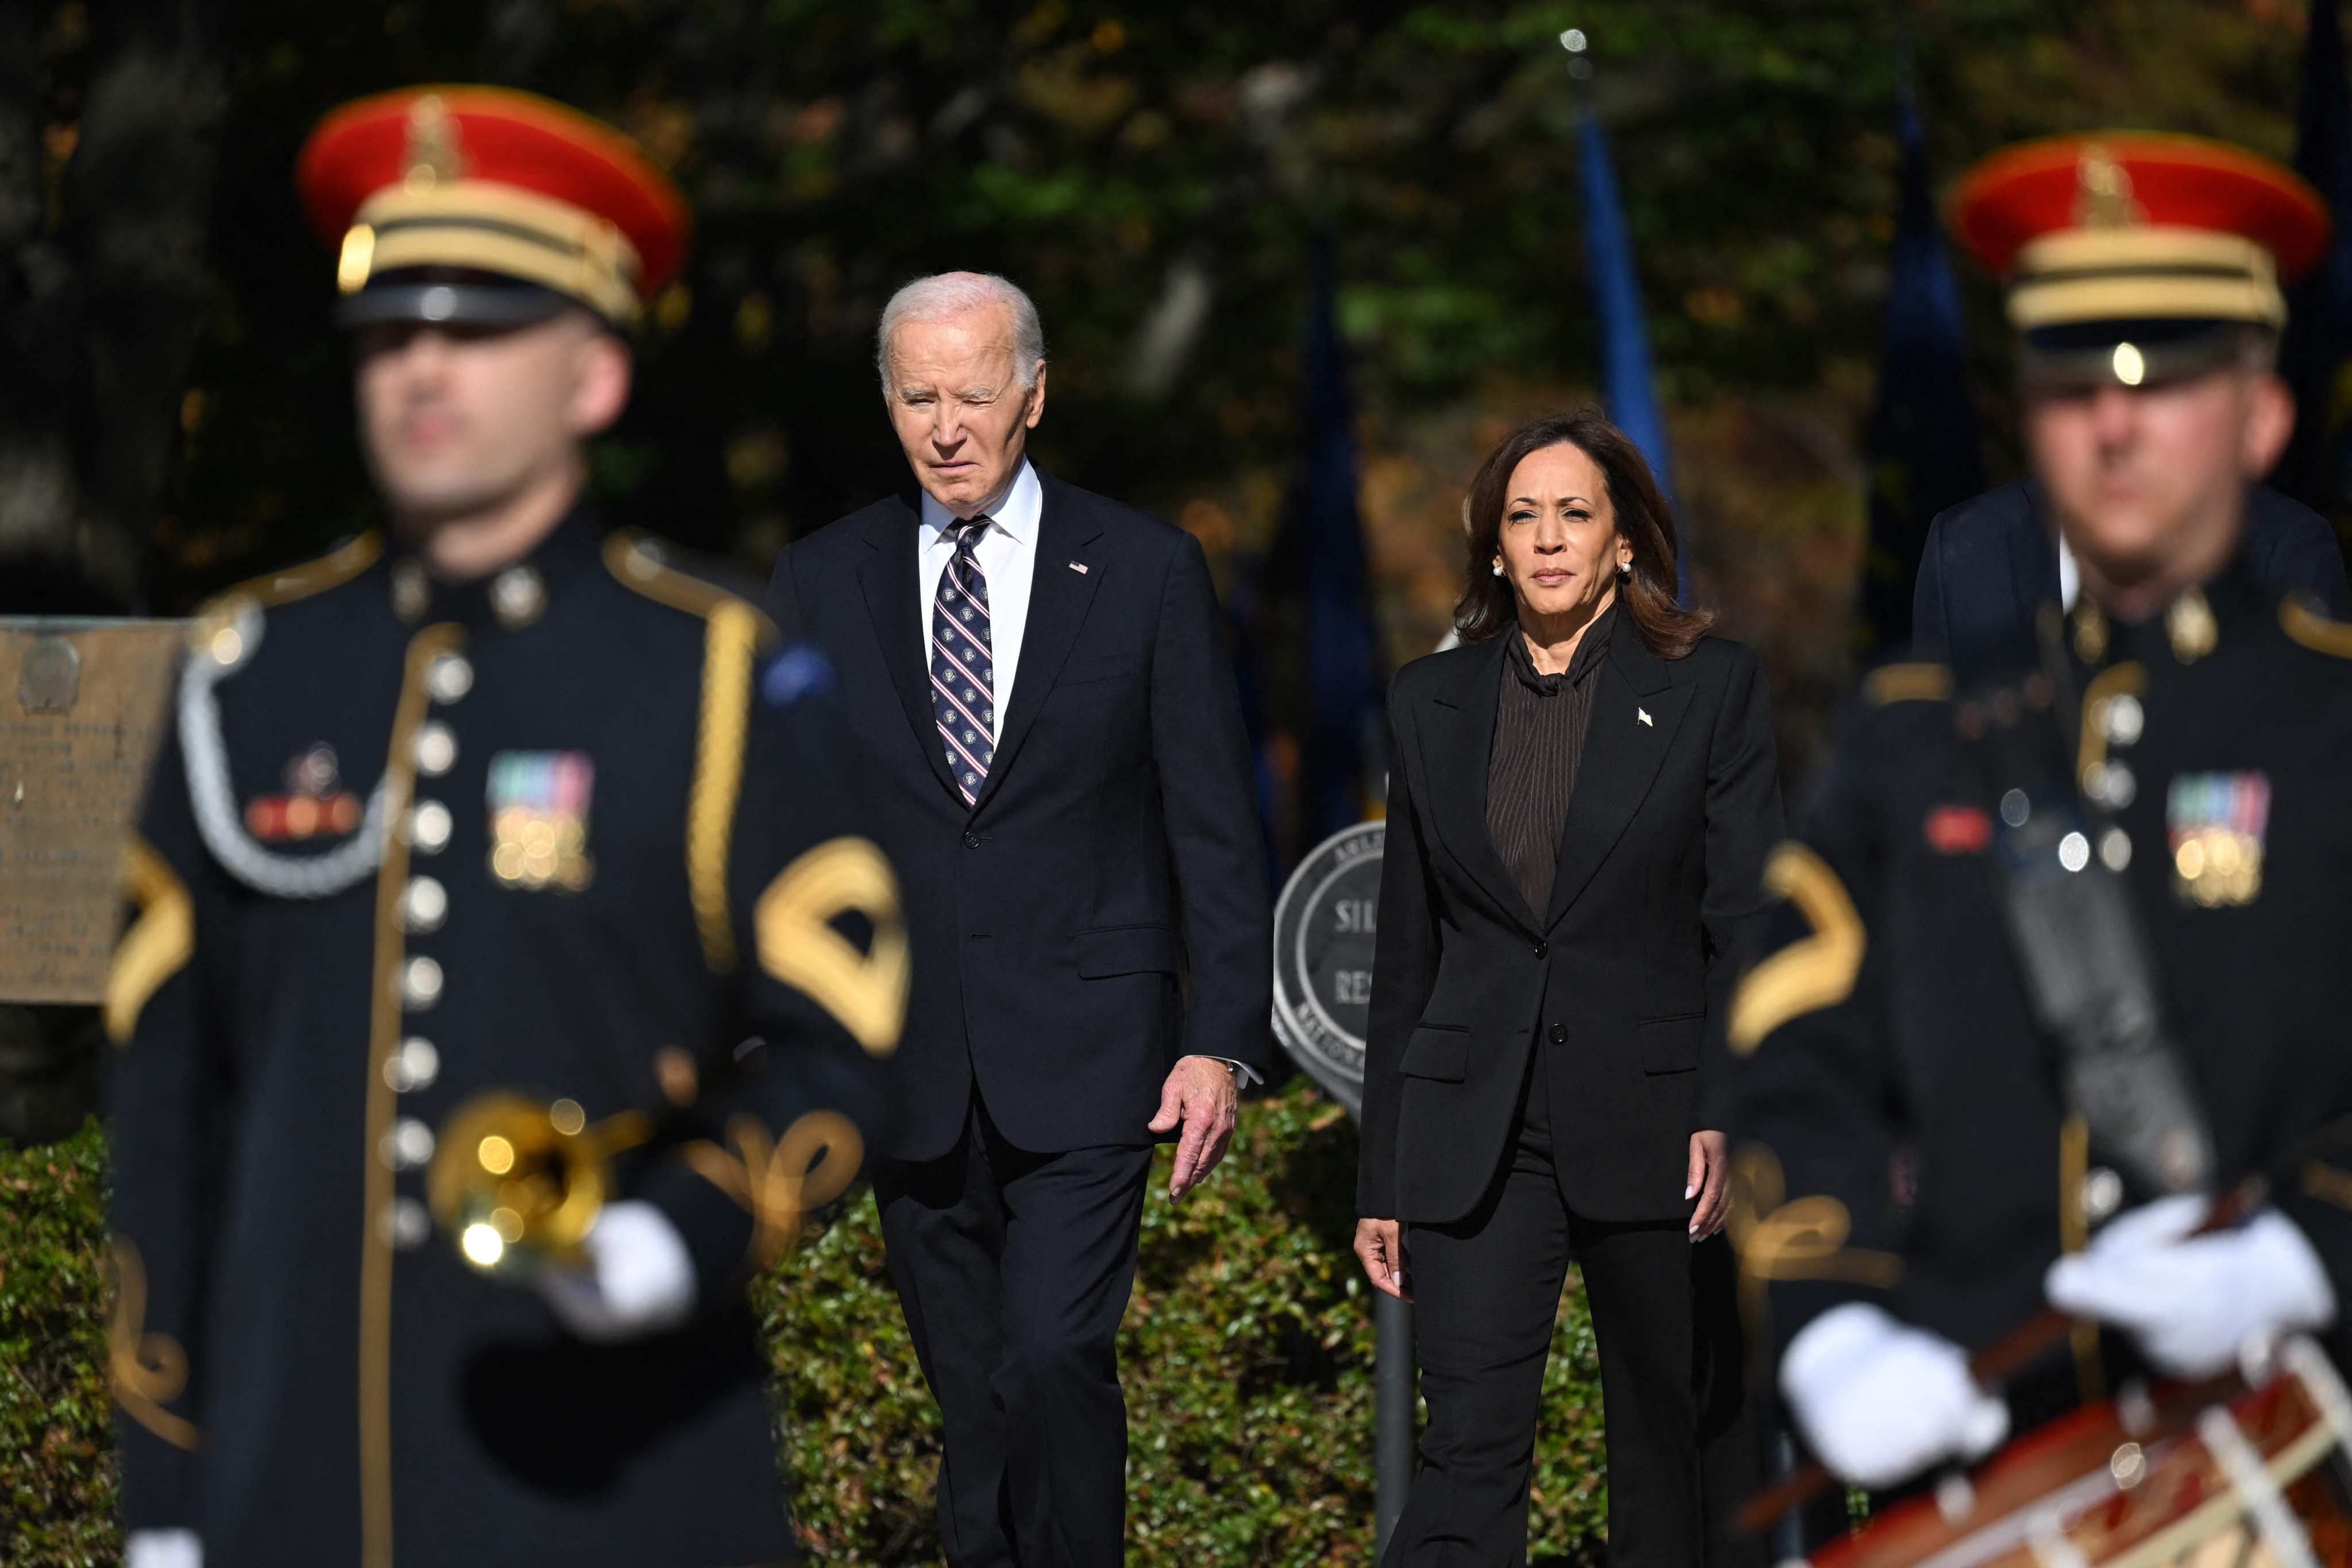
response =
{"points": [[2083, 355], [459, 295]]}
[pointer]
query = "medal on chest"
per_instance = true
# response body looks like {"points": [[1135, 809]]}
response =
{"points": [[2216, 823], [538, 819]]}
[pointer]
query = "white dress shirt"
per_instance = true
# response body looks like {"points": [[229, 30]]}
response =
{"points": [[1007, 553], [2070, 577]]}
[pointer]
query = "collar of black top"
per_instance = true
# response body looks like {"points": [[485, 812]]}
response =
{"points": [[1589, 650]]}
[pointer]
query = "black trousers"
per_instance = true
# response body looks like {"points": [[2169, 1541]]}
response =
{"points": [[1013, 1269], [1665, 1319]]}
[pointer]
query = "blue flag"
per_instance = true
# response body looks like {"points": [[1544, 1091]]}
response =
{"points": [[2318, 467], [1625, 376], [1343, 737], [1922, 439]]}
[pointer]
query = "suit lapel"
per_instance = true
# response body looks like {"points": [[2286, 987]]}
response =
{"points": [[1621, 758], [888, 577], [1457, 727], [1058, 600]]}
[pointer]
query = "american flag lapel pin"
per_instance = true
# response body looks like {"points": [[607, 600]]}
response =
{"points": [[1080, 567], [1643, 715]]}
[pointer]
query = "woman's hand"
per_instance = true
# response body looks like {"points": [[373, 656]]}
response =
{"points": [[1380, 1243], [1710, 1152]]}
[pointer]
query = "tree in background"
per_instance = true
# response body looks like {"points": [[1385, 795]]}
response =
{"points": [[108, 138]]}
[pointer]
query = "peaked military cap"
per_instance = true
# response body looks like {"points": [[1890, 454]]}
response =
{"points": [[2134, 256], [487, 206]]}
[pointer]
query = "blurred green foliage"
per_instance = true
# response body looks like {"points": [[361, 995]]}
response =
{"points": [[1246, 1357], [57, 1459], [1131, 162], [1156, 175]]}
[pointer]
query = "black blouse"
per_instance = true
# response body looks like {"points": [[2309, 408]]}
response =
{"points": [[1540, 724]]}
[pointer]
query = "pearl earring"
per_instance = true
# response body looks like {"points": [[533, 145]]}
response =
{"points": [[1624, 569], [1498, 568]]}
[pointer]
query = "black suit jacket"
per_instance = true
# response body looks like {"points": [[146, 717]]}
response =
{"points": [[1990, 560], [1677, 804], [1116, 835]]}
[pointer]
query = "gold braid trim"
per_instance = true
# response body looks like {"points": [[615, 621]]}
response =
{"points": [[867, 992], [159, 943], [734, 636], [778, 1182], [2073, 1236], [2313, 630], [1808, 975], [718, 775], [383, 1037], [1800, 1238], [629, 559], [338, 566], [1907, 683], [148, 1371]]}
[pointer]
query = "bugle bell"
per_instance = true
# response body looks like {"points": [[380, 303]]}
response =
{"points": [[517, 1182]]}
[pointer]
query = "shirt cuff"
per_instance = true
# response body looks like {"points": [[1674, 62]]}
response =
{"points": [[1243, 1074]]}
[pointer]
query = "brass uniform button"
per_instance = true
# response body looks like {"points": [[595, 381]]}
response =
{"points": [[428, 826], [420, 984]]}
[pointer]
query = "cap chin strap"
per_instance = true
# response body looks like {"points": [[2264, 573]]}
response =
{"points": [[215, 802]]}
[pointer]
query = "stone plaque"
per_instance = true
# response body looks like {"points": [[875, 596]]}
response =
{"points": [[81, 708], [1324, 924]]}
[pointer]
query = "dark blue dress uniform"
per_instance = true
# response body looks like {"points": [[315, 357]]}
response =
{"points": [[1904, 1133], [581, 829], [1900, 1136]]}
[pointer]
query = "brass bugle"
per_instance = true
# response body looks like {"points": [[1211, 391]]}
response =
{"points": [[517, 1182]]}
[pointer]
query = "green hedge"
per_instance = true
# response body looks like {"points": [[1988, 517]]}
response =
{"points": [[1246, 1357]]}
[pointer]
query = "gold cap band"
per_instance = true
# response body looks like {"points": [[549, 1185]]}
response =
{"points": [[498, 229], [2144, 273]]}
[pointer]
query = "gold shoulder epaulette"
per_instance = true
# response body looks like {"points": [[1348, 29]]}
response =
{"points": [[1907, 683], [641, 564], [338, 566], [2313, 630]]}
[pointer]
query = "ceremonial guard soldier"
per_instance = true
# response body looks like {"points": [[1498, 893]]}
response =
{"points": [[496, 805], [2061, 959]]}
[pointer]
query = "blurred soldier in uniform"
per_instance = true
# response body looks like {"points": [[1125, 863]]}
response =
{"points": [[496, 802], [2062, 956]]}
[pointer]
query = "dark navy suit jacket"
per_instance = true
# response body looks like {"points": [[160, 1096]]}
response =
{"points": [[1114, 847], [1990, 560]]}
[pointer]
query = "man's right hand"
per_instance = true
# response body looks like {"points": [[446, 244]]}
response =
{"points": [[1880, 1401], [1380, 1243]]}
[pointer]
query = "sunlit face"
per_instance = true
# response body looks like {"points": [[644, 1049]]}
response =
{"points": [[2142, 477], [958, 406], [1560, 544], [457, 420]]}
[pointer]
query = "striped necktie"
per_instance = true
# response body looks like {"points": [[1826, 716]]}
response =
{"points": [[963, 672]]}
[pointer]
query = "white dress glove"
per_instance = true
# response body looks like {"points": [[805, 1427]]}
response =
{"points": [[638, 1277], [163, 1549], [1880, 1401], [2191, 1302]]}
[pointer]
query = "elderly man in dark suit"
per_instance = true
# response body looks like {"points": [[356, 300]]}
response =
{"points": [[1989, 561], [1058, 766]]}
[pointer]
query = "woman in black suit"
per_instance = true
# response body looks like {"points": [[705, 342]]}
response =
{"points": [[1580, 799]]}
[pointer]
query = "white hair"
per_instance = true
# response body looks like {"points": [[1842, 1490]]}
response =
{"points": [[945, 295]]}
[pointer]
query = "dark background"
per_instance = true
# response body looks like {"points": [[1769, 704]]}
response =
{"points": [[174, 410]]}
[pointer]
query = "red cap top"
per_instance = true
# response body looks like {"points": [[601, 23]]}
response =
{"points": [[2021, 194], [469, 137]]}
